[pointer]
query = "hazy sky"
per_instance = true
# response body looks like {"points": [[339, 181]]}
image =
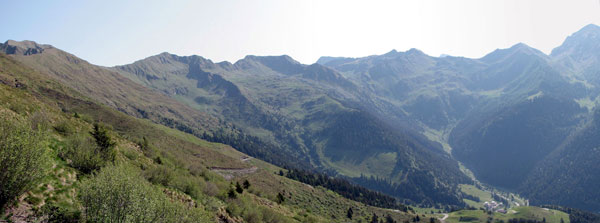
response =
{"points": [[118, 32]]}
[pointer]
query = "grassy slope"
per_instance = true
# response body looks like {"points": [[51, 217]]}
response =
{"points": [[182, 153], [110, 88], [486, 195]]}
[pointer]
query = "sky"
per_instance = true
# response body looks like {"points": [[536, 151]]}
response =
{"points": [[115, 32]]}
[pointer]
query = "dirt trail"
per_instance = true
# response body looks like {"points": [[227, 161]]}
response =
{"points": [[443, 219]]}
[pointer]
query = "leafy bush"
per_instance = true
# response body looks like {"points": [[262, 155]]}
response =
{"points": [[23, 158], [120, 194], [39, 120], [83, 154], [250, 212], [61, 214], [65, 128], [159, 175], [88, 155]]}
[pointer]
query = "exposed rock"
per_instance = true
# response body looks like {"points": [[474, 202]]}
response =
{"points": [[25, 47]]}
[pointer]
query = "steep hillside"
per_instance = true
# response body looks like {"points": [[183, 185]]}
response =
{"points": [[153, 169], [506, 136], [567, 176], [309, 110], [112, 89], [490, 113]]}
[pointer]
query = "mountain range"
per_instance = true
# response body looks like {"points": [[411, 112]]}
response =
{"points": [[403, 123]]}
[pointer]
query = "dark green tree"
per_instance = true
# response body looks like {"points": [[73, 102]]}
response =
{"points": [[231, 193], [349, 213], [246, 184], [375, 218], [389, 219], [238, 188], [102, 136], [280, 198], [416, 219]]}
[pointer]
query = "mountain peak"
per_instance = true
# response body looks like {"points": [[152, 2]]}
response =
{"points": [[520, 45], [590, 28], [517, 49], [268, 59], [24, 47], [283, 64], [414, 51], [584, 43], [392, 52]]}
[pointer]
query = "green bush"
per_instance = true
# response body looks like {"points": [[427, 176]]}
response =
{"points": [[103, 138], [40, 120], [23, 158], [65, 128], [159, 175], [82, 153], [88, 155], [250, 212], [120, 194], [60, 214]]}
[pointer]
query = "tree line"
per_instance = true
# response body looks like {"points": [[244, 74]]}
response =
{"points": [[346, 189]]}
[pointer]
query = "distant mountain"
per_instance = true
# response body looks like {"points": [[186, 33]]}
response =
{"points": [[568, 175], [535, 111], [311, 111], [501, 115]]}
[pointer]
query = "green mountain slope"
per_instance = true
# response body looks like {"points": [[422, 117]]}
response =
{"points": [[566, 176], [112, 89], [193, 177], [309, 110], [493, 112]]}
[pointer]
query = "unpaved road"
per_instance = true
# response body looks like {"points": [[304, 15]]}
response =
{"points": [[443, 220]]}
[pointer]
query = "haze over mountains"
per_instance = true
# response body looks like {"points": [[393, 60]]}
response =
{"points": [[399, 123]]}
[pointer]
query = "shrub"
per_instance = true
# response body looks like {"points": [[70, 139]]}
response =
{"points": [[211, 189], [23, 158], [83, 154], [159, 175], [61, 214], [65, 128], [120, 194], [40, 120]]}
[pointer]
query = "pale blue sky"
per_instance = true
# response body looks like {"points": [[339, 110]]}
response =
{"points": [[115, 32]]}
